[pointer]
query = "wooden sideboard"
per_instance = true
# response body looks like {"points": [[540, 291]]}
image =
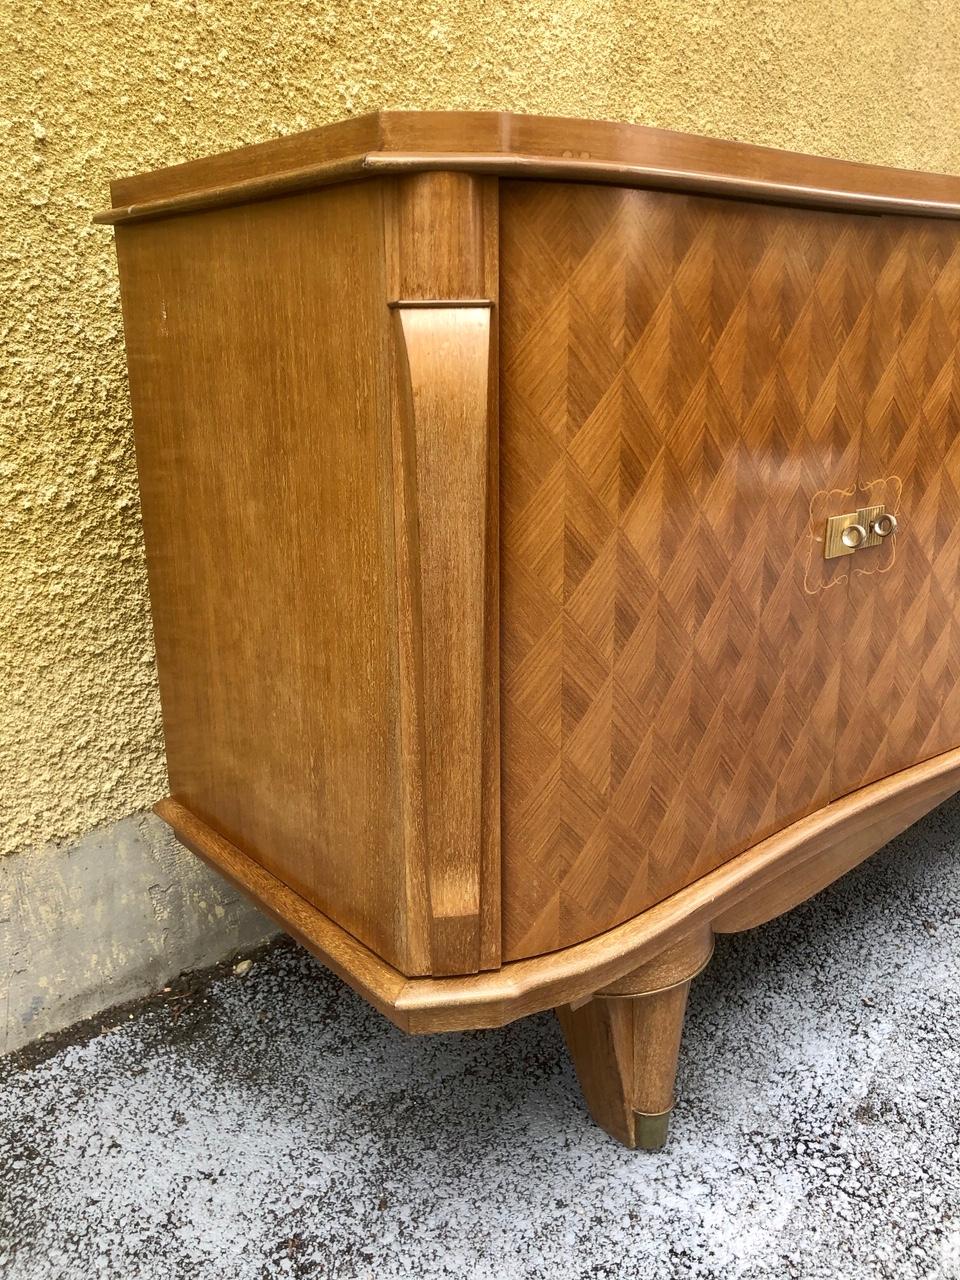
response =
{"points": [[486, 467]]}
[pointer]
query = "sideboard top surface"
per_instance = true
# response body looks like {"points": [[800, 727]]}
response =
{"points": [[512, 145]]}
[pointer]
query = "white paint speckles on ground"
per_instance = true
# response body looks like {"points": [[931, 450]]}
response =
{"points": [[277, 1127]]}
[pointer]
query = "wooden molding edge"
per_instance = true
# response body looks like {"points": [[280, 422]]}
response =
{"points": [[378, 982], [305, 178], [661, 178], [772, 877], [655, 177], [521, 146]]}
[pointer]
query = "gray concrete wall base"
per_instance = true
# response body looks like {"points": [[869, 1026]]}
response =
{"points": [[110, 917]]}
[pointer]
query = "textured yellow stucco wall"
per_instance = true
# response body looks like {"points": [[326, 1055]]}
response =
{"points": [[89, 91]]}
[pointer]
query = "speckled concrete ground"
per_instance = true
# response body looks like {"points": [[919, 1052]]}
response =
{"points": [[271, 1125]]}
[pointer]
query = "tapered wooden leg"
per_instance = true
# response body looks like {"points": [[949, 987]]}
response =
{"points": [[625, 1043]]}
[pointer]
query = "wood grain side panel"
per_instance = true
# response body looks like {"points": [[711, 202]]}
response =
{"points": [[680, 385], [257, 345]]}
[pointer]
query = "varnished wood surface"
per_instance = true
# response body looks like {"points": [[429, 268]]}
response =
{"points": [[442, 292], [447, 356], [900, 691], [847, 845], [378, 982], [529, 147], [441, 233], [625, 1054], [257, 346], [763, 882], [681, 378], [318, 460], [677, 963], [381, 616], [484, 503]]}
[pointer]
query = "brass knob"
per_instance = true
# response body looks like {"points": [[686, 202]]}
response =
{"points": [[853, 535], [884, 525]]}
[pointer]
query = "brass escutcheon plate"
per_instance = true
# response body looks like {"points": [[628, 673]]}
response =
{"points": [[854, 531]]}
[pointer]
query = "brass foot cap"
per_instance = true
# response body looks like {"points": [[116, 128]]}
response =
{"points": [[650, 1131]]}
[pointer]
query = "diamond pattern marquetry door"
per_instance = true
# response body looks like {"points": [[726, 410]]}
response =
{"points": [[900, 691], [687, 386]]}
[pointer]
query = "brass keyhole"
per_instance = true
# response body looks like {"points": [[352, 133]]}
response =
{"points": [[857, 530], [853, 535], [884, 525]]}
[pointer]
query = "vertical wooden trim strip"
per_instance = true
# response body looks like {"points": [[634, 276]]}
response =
{"points": [[491, 929], [410, 663], [443, 441]]}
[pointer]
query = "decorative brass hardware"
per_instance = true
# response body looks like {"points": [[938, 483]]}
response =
{"points": [[869, 517], [857, 530], [844, 534], [884, 525]]}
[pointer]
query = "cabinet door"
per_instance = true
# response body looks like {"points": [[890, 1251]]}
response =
{"points": [[681, 392], [900, 691]]}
